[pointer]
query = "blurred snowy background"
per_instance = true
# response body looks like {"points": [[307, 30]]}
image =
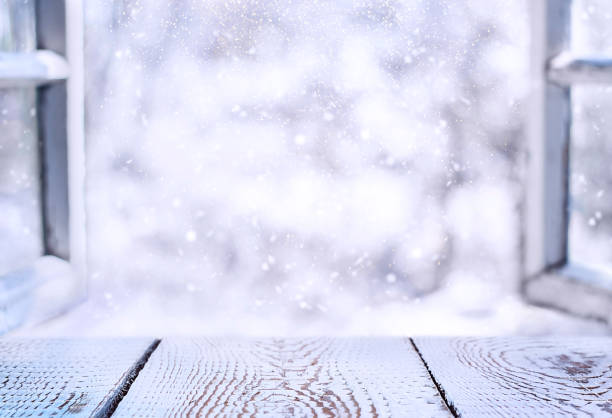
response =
{"points": [[307, 163], [319, 167], [310, 166]]}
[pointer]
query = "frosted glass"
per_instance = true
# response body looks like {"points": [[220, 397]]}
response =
{"points": [[590, 233], [592, 27], [20, 217]]}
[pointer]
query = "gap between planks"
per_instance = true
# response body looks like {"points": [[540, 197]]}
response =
{"points": [[439, 387], [59, 376], [131, 376], [522, 376]]}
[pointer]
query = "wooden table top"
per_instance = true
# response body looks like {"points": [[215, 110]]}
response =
{"points": [[420, 377]]}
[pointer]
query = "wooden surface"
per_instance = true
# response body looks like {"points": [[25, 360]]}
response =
{"points": [[515, 377], [64, 376], [356, 377], [284, 377]]}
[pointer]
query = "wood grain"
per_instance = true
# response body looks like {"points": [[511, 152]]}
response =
{"points": [[283, 377], [514, 377], [45, 377]]}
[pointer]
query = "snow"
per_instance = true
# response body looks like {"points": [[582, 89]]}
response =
{"points": [[306, 167]]}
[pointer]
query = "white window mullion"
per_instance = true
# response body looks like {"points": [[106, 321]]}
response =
{"points": [[27, 69], [548, 140]]}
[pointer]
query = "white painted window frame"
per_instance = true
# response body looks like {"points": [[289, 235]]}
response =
{"points": [[57, 280], [550, 278]]}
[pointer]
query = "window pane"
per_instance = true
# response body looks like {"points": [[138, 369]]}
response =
{"points": [[592, 27], [590, 234], [17, 26], [20, 220], [590, 229]]}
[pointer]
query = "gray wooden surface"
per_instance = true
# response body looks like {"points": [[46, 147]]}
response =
{"points": [[284, 377], [65, 376], [514, 377], [360, 377]]}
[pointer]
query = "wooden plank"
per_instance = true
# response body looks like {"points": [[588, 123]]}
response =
{"points": [[283, 377], [65, 376], [517, 377]]}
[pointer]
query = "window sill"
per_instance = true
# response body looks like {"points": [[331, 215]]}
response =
{"points": [[573, 288], [41, 291]]}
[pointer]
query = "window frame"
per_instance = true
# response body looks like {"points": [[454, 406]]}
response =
{"points": [[550, 278], [56, 281]]}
